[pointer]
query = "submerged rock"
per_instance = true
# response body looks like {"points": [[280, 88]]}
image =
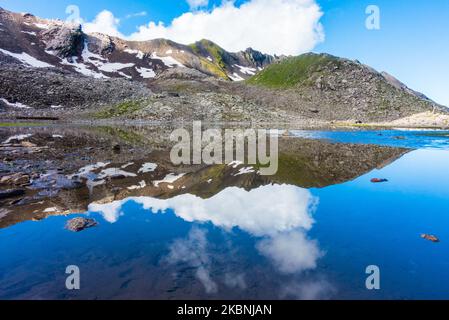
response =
{"points": [[430, 237], [3, 212], [27, 144], [79, 224], [12, 193], [15, 179]]}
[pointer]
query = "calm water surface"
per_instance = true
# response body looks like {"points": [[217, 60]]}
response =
{"points": [[276, 241]]}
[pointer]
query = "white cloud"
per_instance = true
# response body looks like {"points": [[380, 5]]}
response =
{"points": [[279, 214], [110, 212], [277, 27], [291, 252], [194, 4], [235, 281], [137, 14], [104, 22], [251, 211], [308, 290]]}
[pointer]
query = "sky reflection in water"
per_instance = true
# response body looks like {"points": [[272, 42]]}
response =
{"points": [[405, 138], [276, 241]]}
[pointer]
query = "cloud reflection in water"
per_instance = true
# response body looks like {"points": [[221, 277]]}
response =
{"points": [[280, 215]]}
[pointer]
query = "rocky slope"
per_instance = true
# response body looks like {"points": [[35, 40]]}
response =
{"points": [[339, 89], [34, 90], [53, 43]]}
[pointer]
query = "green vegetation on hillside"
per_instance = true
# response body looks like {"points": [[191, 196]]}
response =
{"points": [[22, 124], [213, 69], [217, 66], [291, 71], [124, 134], [212, 49], [118, 110]]}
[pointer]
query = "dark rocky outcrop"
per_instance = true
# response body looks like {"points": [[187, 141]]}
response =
{"points": [[257, 58], [67, 40]]}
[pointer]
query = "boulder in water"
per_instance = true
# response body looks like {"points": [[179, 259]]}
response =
{"points": [[79, 224], [430, 237]]}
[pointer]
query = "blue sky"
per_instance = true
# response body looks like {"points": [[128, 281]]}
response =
{"points": [[412, 43]]}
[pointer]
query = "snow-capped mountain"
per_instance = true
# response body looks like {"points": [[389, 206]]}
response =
{"points": [[45, 43]]}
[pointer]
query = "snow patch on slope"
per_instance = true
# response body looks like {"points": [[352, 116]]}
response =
{"points": [[114, 66], [97, 61], [170, 178], [18, 137], [139, 54], [114, 172], [235, 77], [168, 61], [103, 64], [246, 70], [32, 33], [27, 59], [42, 25], [148, 167], [146, 73], [15, 105], [82, 68]]}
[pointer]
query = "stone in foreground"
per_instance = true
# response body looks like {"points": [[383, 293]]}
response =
{"points": [[430, 237]]}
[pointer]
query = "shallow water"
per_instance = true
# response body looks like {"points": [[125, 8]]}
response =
{"points": [[265, 241], [404, 138]]}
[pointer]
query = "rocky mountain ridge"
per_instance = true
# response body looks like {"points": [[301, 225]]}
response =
{"points": [[54, 43], [335, 88]]}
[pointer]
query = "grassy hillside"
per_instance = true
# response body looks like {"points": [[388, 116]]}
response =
{"points": [[207, 48], [333, 88], [291, 71]]}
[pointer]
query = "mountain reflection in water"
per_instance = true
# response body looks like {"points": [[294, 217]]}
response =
{"points": [[73, 174]]}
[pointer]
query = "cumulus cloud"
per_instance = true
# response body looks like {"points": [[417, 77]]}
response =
{"points": [[286, 27], [104, 22]]}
